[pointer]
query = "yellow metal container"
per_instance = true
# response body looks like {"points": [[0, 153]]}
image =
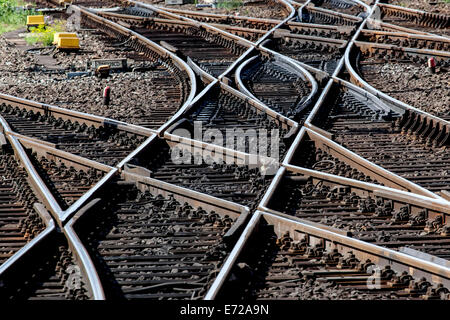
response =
{"points": [[35, 20], [68, 43], [59, 35]]}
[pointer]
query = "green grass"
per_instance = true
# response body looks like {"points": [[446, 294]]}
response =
{"points": [[44, 35], [229, 4], [11, 19]]}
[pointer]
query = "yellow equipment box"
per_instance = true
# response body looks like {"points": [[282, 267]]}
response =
{"points": [[103, 71], [35, 21], [68, 43], [59, 35]]}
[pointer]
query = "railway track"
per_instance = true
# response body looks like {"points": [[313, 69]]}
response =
{"points": [[249, 28], [233, 115], [148, 246], [19, 222], [266, 9], [285, 260], [84, 3], [106, 145], [321, 53], [432, 7], [420, 88], [416, 19], [66, 183], [49, 272], [382, 220], [394, 142], [405, 40], [145, 213], [346, 7], [281, 89], [186, 167], [328, 17], [313, 154], [319, 30], [226, 19], [213, 52]]}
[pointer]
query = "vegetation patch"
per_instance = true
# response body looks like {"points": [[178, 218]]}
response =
{"points": [[229, 4], [44, 34], [12, 17]]}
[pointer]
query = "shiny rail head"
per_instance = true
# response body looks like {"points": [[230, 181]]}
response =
{"points": [[27, 217]]}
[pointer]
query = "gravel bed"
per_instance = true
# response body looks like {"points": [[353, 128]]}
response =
{"points": [[261, 9], [134, 95], [439, 6], [413, 84]]}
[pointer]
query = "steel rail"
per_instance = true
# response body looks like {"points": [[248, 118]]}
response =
{"points": [[64, 215], [375, 24], [381, 256], [361, 82], [67, 114], [304, 74], [408, 12], [83, 256], [372, 170], [34, 178], [411, 198], [208, 27]]}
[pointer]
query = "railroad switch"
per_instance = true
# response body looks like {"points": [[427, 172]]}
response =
{"points": [[35, 21]]}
